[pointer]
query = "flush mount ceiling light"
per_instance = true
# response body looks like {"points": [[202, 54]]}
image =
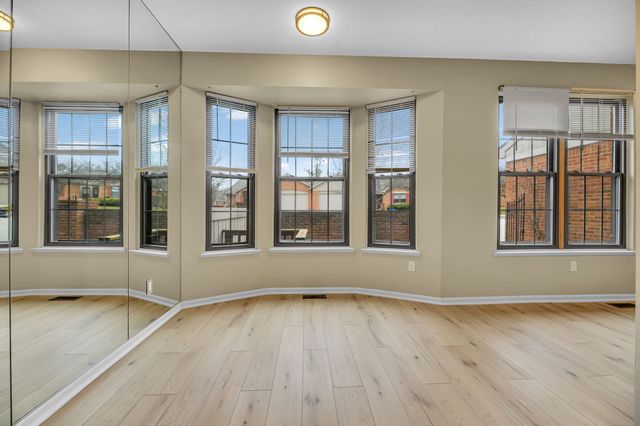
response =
{"points": [[6, 22], [312, 21]]}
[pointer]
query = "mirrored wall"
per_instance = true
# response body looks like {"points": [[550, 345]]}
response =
{"points": [[89, 119]]}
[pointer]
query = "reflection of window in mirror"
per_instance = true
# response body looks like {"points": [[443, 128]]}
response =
{"points": [[152, 120], [230, 145], [9, 171], [83, 157]]}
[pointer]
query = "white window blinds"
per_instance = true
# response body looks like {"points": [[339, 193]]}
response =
{"points": [[9, 132], [313, 133], [152, 118], [82, 129], [535, 111], [543, 112], [231, 134], [600, 116], [392, 136]]}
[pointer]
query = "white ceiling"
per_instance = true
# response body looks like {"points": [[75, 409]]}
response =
{"points": [[549, 30]]}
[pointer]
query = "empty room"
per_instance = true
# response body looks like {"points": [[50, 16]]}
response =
{"points": [[421, 212]]}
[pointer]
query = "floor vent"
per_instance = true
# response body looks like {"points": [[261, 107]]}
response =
{"points": [[624, 305], [64, 298], [314, 296]]}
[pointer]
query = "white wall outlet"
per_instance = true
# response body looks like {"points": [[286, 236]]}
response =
{"points": [[149, 284], [412, 266], [573, 266]]}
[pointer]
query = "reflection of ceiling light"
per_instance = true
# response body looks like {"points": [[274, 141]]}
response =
{"points": [[6, 22], [312, 21]]}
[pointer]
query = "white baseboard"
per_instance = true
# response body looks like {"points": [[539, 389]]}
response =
{"points": [[165, 301], [480, 300], [58, 400], [45, 410]]}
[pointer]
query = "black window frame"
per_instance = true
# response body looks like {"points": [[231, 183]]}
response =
{"points": [[13, 213], [250, 243], [551, 175], [223, 172], [277, 202], [146, 179], [619, 163], [51, 176], [12, 171]]}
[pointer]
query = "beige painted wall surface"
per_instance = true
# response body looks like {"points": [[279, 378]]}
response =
{"points": [[636, 187], [456, 179]]}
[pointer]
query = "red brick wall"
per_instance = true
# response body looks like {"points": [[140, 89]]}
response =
{"points": [[322, 222], [391, 226], [98, 221]]}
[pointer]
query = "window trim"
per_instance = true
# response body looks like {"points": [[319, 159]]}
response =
{"points": [[14, 215], [250, 244], [345, 178], [143, 222]]}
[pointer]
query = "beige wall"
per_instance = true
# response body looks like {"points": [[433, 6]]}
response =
{"points": [[456, 179]]}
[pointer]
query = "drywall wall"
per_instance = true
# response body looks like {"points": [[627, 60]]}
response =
{"points": [[456, 179]]}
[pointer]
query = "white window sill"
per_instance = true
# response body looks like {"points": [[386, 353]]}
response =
{"points": [[393, 251], [86, 249], [231, 252], [14, 250], [149, 252], [567, 252], [307, 249]]}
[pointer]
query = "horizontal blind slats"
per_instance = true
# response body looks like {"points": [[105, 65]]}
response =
{"points": [[71, 130], [152, 135], [10, 134], [392, 137], [313, 133], [600, 116], [231, 135]]}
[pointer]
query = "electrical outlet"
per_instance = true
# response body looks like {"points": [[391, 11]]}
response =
{"points": [[149, 284], [412, 266], [573, 266]]}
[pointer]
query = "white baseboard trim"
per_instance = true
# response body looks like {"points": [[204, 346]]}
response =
{"points": [[45, 410], [480, 300], [165, 301], [41, 413]]}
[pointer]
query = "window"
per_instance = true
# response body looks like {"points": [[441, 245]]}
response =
{"points": [[311, 177], [83, 159], [153, 159], [231, 135], [566, 191], [9, 171], [391, 169]]}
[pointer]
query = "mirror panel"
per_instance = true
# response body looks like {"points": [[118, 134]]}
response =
{"points": [[154, 213], [69, 295]]}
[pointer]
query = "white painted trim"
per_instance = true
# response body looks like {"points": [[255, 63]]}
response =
{"points": [[154, 298], [14, 250], [318, 249], [565, 252], [153, 253], [232, 252], [68, 249], [45, 410], [394, 251], [479, 300]]}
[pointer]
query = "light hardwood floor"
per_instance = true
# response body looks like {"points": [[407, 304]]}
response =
{"points": [[54, 342], [357, 360]]}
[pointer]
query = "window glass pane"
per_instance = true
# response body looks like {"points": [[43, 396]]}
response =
{"points": [[98, 164], [523, 155], [506, 157], [573, 156], [221, 154], [399, 208], [540, 161], [239, 156], [287, 166], [381, 226], [336, 133], [98, 129], [336, 167], [576, 226], [320, 140], [4, 208], [114, 164], [594, 192], [303, 133], [81, 165], [224, 124], [63, 164], [593, 222], [239, 126], [304, 167], [320, 167]]}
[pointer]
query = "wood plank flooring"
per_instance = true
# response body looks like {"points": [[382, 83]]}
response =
{"points": [[358, 360], [54, 342]]}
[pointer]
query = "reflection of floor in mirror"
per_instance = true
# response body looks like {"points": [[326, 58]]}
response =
{"points": [[367, 360], [54, 342]]}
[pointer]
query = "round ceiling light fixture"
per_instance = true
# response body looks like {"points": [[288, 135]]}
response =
{"points": [[312, 21], [6, 22]]}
